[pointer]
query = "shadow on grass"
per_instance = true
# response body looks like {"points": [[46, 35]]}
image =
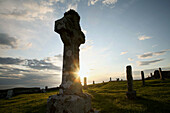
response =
{"points": [[41, 108], [114, 103], [153, 106], [159, 83]]}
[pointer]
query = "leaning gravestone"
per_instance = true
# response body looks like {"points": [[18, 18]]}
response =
{"points": [[131, 94], [70, 99]]}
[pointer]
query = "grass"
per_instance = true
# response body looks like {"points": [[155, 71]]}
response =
{"points": [[26, 103], [110, 97], [107, 97]]}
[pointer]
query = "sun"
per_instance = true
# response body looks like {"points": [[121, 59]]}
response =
{"points": [[84, 71]]}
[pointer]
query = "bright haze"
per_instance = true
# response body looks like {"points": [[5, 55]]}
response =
{"points": [[118, 33]]}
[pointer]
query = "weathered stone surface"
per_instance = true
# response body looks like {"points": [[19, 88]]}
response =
{"points": [[69, 104], [70, 32], [131, 94], [143, 78], [129, 78]]}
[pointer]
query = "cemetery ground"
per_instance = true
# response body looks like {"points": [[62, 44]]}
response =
{"points": [[109, 97]]}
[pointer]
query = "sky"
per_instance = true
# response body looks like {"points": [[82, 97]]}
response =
{"points": [[118, 33]]}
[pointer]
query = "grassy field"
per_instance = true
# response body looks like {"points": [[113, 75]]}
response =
{"points": [[107, 97]]}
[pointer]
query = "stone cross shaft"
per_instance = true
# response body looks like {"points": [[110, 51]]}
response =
{"points": [[71, 35]]}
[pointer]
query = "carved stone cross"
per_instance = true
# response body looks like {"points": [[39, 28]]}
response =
{"points": [[71, 35]]}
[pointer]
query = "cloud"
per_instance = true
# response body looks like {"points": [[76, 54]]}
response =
{"points": [[161, 52], [26, 11], [16, 77], [105, 2], [130, 59], [88, 45], [145, 55], [151, 54], [10, 60], [92, 2], [155, 45], [40, 64], [72, 6], [109, 2], [142, 63], [143, 37], [28, 72], [8, 42], [122, 53], [31, 63]]}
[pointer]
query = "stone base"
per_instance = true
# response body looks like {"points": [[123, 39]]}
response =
{"points": [[131, 95], [69, 104]]}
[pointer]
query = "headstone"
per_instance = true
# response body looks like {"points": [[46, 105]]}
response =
{"points": [[46, 88], [156, 74], [10, 93], [110, 79], [131, 94], [161, 75], [103, 81], [85, 82], [70, 99], [143, 78], [93, 82], [117, 79]]}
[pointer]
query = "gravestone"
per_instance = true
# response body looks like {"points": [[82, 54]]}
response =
{"points": [[70, 99], [103, 81], [160, 74], [93, 82], [110, 79], [46, 88], [156, 74], [10, 93], [85, 82], [131, 94], [117, 79], [143, 78]]}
